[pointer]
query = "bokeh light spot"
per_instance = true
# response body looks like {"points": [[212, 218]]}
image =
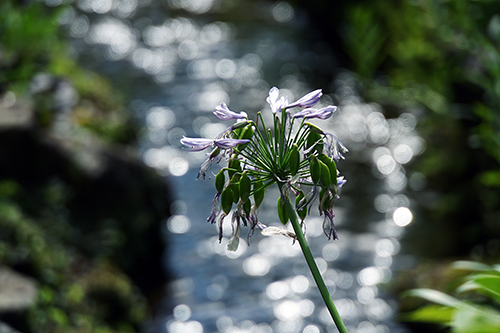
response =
{"points": [[256, 265], [403, 154], [300, 284], [225, 69], [282, 12], [402, 216], [179, 224], [178, 166], [386, 164], [182, 312], [277, 290], [369, 276], [287, 310]]}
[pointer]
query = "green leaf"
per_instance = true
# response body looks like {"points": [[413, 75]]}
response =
{"points": [[470, 265], [430, 314], [476, 320], [435, 297], [486, 284]]}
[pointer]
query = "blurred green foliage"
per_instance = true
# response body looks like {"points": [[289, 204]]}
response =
{"points": [[477, 310], [29, 39], [89, 236], [31, 43], [442, 57], [76, 293]]}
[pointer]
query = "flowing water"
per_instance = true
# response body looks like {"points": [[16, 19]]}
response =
{"points": [[177, 60]]}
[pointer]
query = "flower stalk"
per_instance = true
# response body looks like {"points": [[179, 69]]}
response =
{"points": [[314, 268]]}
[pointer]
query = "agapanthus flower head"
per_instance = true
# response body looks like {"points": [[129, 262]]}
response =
{"points": [[297, 156]]}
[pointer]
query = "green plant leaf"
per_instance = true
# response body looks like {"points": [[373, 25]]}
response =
{"points": [[476, 320], [430, 314], [435, 297], [485, 284], [470, 265]]}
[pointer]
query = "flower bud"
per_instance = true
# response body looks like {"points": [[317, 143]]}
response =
{"points": [[314, 169], [315, 128], [215, 152], [240, 124], [314, 139], [234, 185], [247, 207], [246, 133], [226, 200], [326, 199], [220, 180], [233, 167], [331, 166], [259, 192], [282, 212], [303, 212], [324, 174], [245, 185], [294, 160]]}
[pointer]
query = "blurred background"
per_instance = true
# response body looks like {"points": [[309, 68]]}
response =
{"points": [[103, 225]]}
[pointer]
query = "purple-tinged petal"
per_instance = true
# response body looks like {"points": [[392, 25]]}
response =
{"points": [[326, 112], [328, 226], [229, 143], [282, 103], [197, 144], [306, 113], [307, 100], [341, 181], [334, 147], [323, 113], [222, 112], [272, 99]]}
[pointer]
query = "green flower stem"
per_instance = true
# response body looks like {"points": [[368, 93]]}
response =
{"points": [[314, 268]]}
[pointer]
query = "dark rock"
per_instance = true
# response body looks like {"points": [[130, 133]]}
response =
{"points": [[98, 203], [4, 328]]}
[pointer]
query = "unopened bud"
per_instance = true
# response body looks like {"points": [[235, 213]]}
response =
{"points": [[298, 202], [259, 193], [294, 160], [282, 212], [220, 180], [245, 187], [226, 200], [314, 169]]}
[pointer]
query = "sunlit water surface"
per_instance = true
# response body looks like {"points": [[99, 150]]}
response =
{"points": [[179, 59]]}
